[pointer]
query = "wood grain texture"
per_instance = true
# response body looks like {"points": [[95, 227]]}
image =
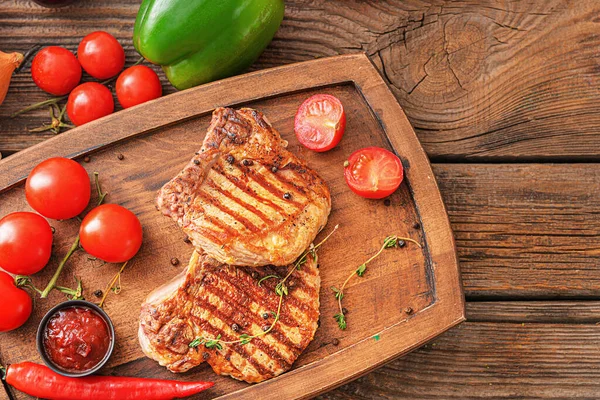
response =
{"points": [[525, 230], [523, 349], [491, 361], [154, 148], [491, 80]]}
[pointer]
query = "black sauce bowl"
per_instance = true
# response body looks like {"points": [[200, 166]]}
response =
{"points": [[42, 328]]}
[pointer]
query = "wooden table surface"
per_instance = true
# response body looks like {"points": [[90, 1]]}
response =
{"points": [[505, 98]]}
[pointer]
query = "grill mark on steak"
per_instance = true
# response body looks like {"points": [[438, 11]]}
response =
{"points": [[245, 188], [236, 216], [243, 350], [210, 298], [250, 318], [285, 317], [237, 200]]}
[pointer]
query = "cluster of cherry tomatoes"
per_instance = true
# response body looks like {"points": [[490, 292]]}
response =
{"points": [[58, 188], [371, 172], [57, 71]]}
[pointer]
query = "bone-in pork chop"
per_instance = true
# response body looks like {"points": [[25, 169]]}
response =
{"points": [[211, 299], [243, 198]]}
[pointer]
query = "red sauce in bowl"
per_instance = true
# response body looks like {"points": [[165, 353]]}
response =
{"points": [[76, 339]]}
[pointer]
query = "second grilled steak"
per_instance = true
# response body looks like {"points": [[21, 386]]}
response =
{"points": [[211, 299], [243, 198]]}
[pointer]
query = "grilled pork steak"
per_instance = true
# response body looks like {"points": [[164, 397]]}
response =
{"points": [[244, 199], [211, 299]]}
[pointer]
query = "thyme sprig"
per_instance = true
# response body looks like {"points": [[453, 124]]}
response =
{"points": [[111, 286], [388, 243], [281, 290]]}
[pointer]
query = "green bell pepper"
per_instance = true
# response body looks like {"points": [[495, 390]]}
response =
{"points": [[198, 41]]}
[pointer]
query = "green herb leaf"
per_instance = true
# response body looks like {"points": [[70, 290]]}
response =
{"points": [[281, 289], [214, 343], [341, 320], [360, 271], [264, 278], [195, 343], [390, 241], [273, 313], [245, 339], [338, 293]]}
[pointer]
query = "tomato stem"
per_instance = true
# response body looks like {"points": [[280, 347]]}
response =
{"points": [[52, 282], [35, 106], [73, 249], [25, 281]]}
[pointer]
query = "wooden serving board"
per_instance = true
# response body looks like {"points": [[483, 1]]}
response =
{"points": [[407, 296]]}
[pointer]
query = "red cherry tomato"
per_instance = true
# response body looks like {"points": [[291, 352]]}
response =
{"points": [[111, 233], [25, 243], [58, 188], [55, 70], [15, 304], [373, 172], [320, 122], [88, 102], [101, 55], [137, 85]]}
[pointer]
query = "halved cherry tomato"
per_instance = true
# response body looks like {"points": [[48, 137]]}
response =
{"points": [[25, 243], [58, 188], [373, 172], [15, 304], [111, 233], [320, 122], [101, 55], [55, 70], [136, 85], [88, 102]]}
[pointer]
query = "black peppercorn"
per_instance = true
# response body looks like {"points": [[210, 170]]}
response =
{"points": [[98, 293], [408, 310], [274, 169], [401, 243], [265, 328], [174, 261], [197, 162], [265, 315], [235, 327], [387, 202], [121, 157], [417, 225], [205, 356], [335, 342], [287, 196], [187, 239], [248, 163], [230, 159]]}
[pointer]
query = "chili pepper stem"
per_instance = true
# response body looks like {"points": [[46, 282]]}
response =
{"points": [[54, 279]]}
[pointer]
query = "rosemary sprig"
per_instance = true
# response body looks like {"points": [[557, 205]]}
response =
{"points": [[281, 290], [388, 243]]}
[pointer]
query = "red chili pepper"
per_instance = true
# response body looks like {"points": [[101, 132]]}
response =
{"points": [[40, 381]]}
